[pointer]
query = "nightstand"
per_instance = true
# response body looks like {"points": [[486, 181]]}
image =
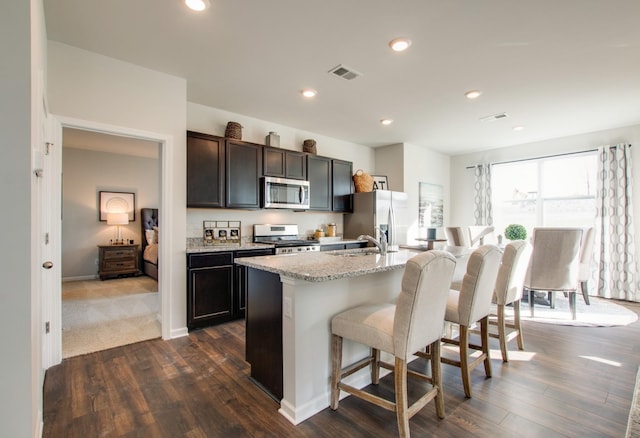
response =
{"points": [[115, 260]]}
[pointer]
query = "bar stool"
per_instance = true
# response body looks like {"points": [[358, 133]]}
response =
{"points": [[401, 329]]}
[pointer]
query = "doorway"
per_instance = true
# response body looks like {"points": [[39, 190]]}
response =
{"points": [[164, 145], [123, 308]]}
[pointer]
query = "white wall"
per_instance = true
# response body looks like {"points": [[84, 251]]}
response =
{"points": [[87, 86], [406, 165], [462, 179], [214, 121], [84, 174]]}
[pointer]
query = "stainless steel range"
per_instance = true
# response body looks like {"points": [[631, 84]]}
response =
{"points": [[284, 237]]}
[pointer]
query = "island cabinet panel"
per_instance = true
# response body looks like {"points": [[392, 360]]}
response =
{"points": [[264, 330], [283, 163], [319, 174], [210, 289], [243, 172], [205, 170], [342, 183], [240, 278]]}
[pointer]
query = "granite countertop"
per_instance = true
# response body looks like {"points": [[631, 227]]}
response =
{"points": [[195, 247], [329, 265]]}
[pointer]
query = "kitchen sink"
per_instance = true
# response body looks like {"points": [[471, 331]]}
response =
{"points": [[354, 252]]}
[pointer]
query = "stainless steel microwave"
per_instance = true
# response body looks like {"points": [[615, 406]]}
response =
{"points": [[285, 193]]}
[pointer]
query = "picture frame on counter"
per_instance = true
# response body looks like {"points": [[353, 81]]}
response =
{"points": [[221, 232], [380, 182]]}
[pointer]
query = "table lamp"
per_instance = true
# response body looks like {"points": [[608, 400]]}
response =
{"points": [[118, 219]]}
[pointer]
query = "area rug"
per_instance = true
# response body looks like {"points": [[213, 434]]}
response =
{"points": [[633, 426], [601, 313]]}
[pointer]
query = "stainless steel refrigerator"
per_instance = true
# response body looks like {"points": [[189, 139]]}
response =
{"points": [[380, 209]]}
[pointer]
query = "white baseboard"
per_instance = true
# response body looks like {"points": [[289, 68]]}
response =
{"points": [[80, 278], [179, 333]]}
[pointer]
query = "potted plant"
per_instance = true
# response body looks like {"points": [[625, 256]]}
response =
{"points": [[515, 232]]}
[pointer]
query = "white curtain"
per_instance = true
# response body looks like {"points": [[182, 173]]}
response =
{"points": [[482, 195], [615, 243]]}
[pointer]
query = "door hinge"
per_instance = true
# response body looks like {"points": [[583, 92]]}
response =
{"points": [[47, 327], [47, 147], [46, 238]]}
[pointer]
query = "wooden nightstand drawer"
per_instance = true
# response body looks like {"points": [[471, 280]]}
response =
{"points": [[115, 260]]}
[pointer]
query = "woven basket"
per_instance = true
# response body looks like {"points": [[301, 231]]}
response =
{"points": [[309, 146], [362, 181], [234, 130]]}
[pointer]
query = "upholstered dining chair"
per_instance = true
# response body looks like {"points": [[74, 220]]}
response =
{"points": [[508, 290], [586, 255], [478, 234], [554, 265], [457, 236], [399, 329], [470, 304]]}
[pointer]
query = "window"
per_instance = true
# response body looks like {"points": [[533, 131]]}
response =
{"points": [[557, 191]]}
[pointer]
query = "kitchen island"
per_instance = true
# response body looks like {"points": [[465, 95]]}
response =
{"points": [[290, 302]]}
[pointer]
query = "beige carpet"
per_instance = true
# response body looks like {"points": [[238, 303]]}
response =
{"points": [[97, 315], [601, 313]]}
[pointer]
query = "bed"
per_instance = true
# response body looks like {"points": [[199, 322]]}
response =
{"points": [[149, 239]]}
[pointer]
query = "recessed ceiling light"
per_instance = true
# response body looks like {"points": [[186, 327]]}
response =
{"points": [[197, 5], [518, 128], [400, 44], [473, 94], [308, 92], [386, 121]]}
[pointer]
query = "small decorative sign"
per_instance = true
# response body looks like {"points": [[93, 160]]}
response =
{"points": [[380, 182], [221, 232]]}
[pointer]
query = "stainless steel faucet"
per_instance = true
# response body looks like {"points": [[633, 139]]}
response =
{"points": [[381, 245]]}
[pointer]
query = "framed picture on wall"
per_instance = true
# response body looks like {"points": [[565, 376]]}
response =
{"points": [[117, 202]]}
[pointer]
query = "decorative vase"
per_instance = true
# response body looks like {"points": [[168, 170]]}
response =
{"points": [[273, 139], [234, 131], [309, 146]]}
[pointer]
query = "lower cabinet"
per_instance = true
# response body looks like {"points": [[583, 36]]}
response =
{"points": [[216, 288]]}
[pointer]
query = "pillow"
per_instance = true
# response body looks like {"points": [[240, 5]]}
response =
{"points": [[149, 235], [155, 235]]}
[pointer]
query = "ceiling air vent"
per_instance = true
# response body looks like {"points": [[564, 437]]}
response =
{"points": [[494, 117], [345, 72]]}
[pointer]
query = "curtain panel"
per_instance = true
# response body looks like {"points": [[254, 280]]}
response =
{"points": [[482, 195], [615, 240]]}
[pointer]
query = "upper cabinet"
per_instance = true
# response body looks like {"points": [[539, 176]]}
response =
{"points": [[243, 172], [283, 163], [342, 185], [205, 170], [319, 173]]}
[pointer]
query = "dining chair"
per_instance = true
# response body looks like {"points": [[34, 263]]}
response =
{"points": [[586, 255], [554, 265], [508, 291], [458, 236], [478, 234], [399, 329], [470, 304]]}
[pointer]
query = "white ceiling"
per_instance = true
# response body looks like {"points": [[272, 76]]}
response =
{"points": [[558, 68]]}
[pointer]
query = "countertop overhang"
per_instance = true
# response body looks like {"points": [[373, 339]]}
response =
{"points": [[329, 265]]}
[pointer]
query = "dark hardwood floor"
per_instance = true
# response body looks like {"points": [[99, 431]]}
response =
{"points": [[569, 381]]}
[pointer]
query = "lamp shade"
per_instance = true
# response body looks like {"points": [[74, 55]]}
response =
{"points": [[117, 218]]}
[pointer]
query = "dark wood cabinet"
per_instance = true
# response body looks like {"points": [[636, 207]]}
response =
{"points": [[319, 174], [283, 163], [210, 289], [205, 170], [240, 277], [117, 260], [342, 184], [243, 172]]}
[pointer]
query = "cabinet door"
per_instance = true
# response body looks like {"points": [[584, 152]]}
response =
{"points": [[342, 186], [295, 165], [274, 162], [210, 296], [240, 279], [243, 172], [205, 170], [319, 174]]}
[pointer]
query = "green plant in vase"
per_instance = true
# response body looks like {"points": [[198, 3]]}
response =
{"points": [[515, 232]]}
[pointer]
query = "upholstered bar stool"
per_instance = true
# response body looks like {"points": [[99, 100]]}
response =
{"points": [[470, 304], [401, 329], [508, 290]]}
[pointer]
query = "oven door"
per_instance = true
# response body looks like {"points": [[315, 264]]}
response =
{"points": [[285, 193]]}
